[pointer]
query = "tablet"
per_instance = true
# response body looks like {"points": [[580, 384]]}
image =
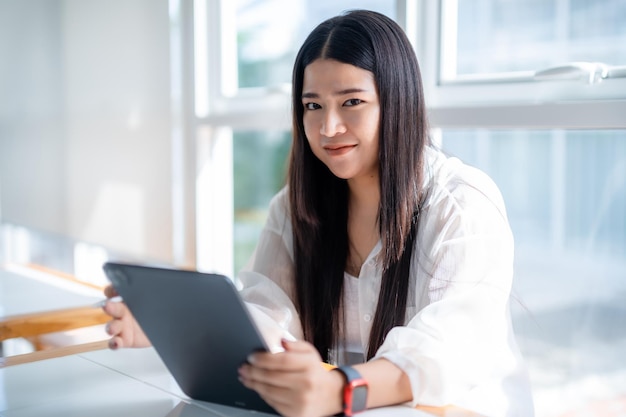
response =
{"points": [[198, 325]]}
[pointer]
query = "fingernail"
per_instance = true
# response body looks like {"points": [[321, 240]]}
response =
{"points": [[113, 344], [250, 359], [102, 303]]}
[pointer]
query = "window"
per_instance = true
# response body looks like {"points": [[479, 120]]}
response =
{"points": [[565, 193], [486, 52], [259, 169], [532, 92], [506, 36]]}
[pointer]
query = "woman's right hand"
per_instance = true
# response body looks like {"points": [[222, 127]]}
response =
{"points": [[123, 329]]}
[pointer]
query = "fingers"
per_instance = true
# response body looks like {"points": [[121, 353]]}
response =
{"points": [[274, 395], [298, 356], [298, 346], [115, 343], [124, 329], [116, 329], [283, 369], [293, 382], [281, 362], [110, 292], [261, 379], [115, 310], [279, 389]]}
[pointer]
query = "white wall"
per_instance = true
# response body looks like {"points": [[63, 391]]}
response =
{"points": [[32, 141], [85, 121]]}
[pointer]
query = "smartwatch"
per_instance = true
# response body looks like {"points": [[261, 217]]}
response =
{"points": [[354, 392]]}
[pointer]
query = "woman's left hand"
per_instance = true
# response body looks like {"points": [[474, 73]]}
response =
{"points": [[294, 382]]}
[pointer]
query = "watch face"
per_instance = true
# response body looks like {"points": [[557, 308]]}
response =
{"points": [[359, 397]]}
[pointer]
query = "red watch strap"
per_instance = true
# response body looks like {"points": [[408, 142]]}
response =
{"points": [[354, 392]]}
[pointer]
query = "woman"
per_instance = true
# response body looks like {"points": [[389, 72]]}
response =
{"points": [[381, 253]]}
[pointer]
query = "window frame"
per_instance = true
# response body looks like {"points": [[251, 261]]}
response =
{"points": [[513, 100]]}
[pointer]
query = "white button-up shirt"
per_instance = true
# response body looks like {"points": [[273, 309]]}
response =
{"points": [[457, 345]]}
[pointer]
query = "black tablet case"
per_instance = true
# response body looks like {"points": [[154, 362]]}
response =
{"points": [[198, 325]]}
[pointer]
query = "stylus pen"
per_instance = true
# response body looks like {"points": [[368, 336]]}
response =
{"points": [[100, 304]]}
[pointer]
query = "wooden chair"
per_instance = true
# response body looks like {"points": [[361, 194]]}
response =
{"points": [[45, 332], [9, 325], [56, 332]]}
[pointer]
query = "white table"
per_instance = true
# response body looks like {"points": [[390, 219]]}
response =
{"points": [[24, 290], [127, 382]]}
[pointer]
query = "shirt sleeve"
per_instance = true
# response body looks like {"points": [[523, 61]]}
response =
{"points": [[460, 342], [267, 282]]}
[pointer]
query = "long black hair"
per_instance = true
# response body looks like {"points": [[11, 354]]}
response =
{"points": [[319, 200]]}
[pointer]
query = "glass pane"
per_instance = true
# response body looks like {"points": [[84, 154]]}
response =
{"points": [[516, 35], [259, 165], [269, 34], [566, 199]]}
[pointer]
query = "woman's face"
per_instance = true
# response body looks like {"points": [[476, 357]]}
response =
{"points": [[341, 117]]}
